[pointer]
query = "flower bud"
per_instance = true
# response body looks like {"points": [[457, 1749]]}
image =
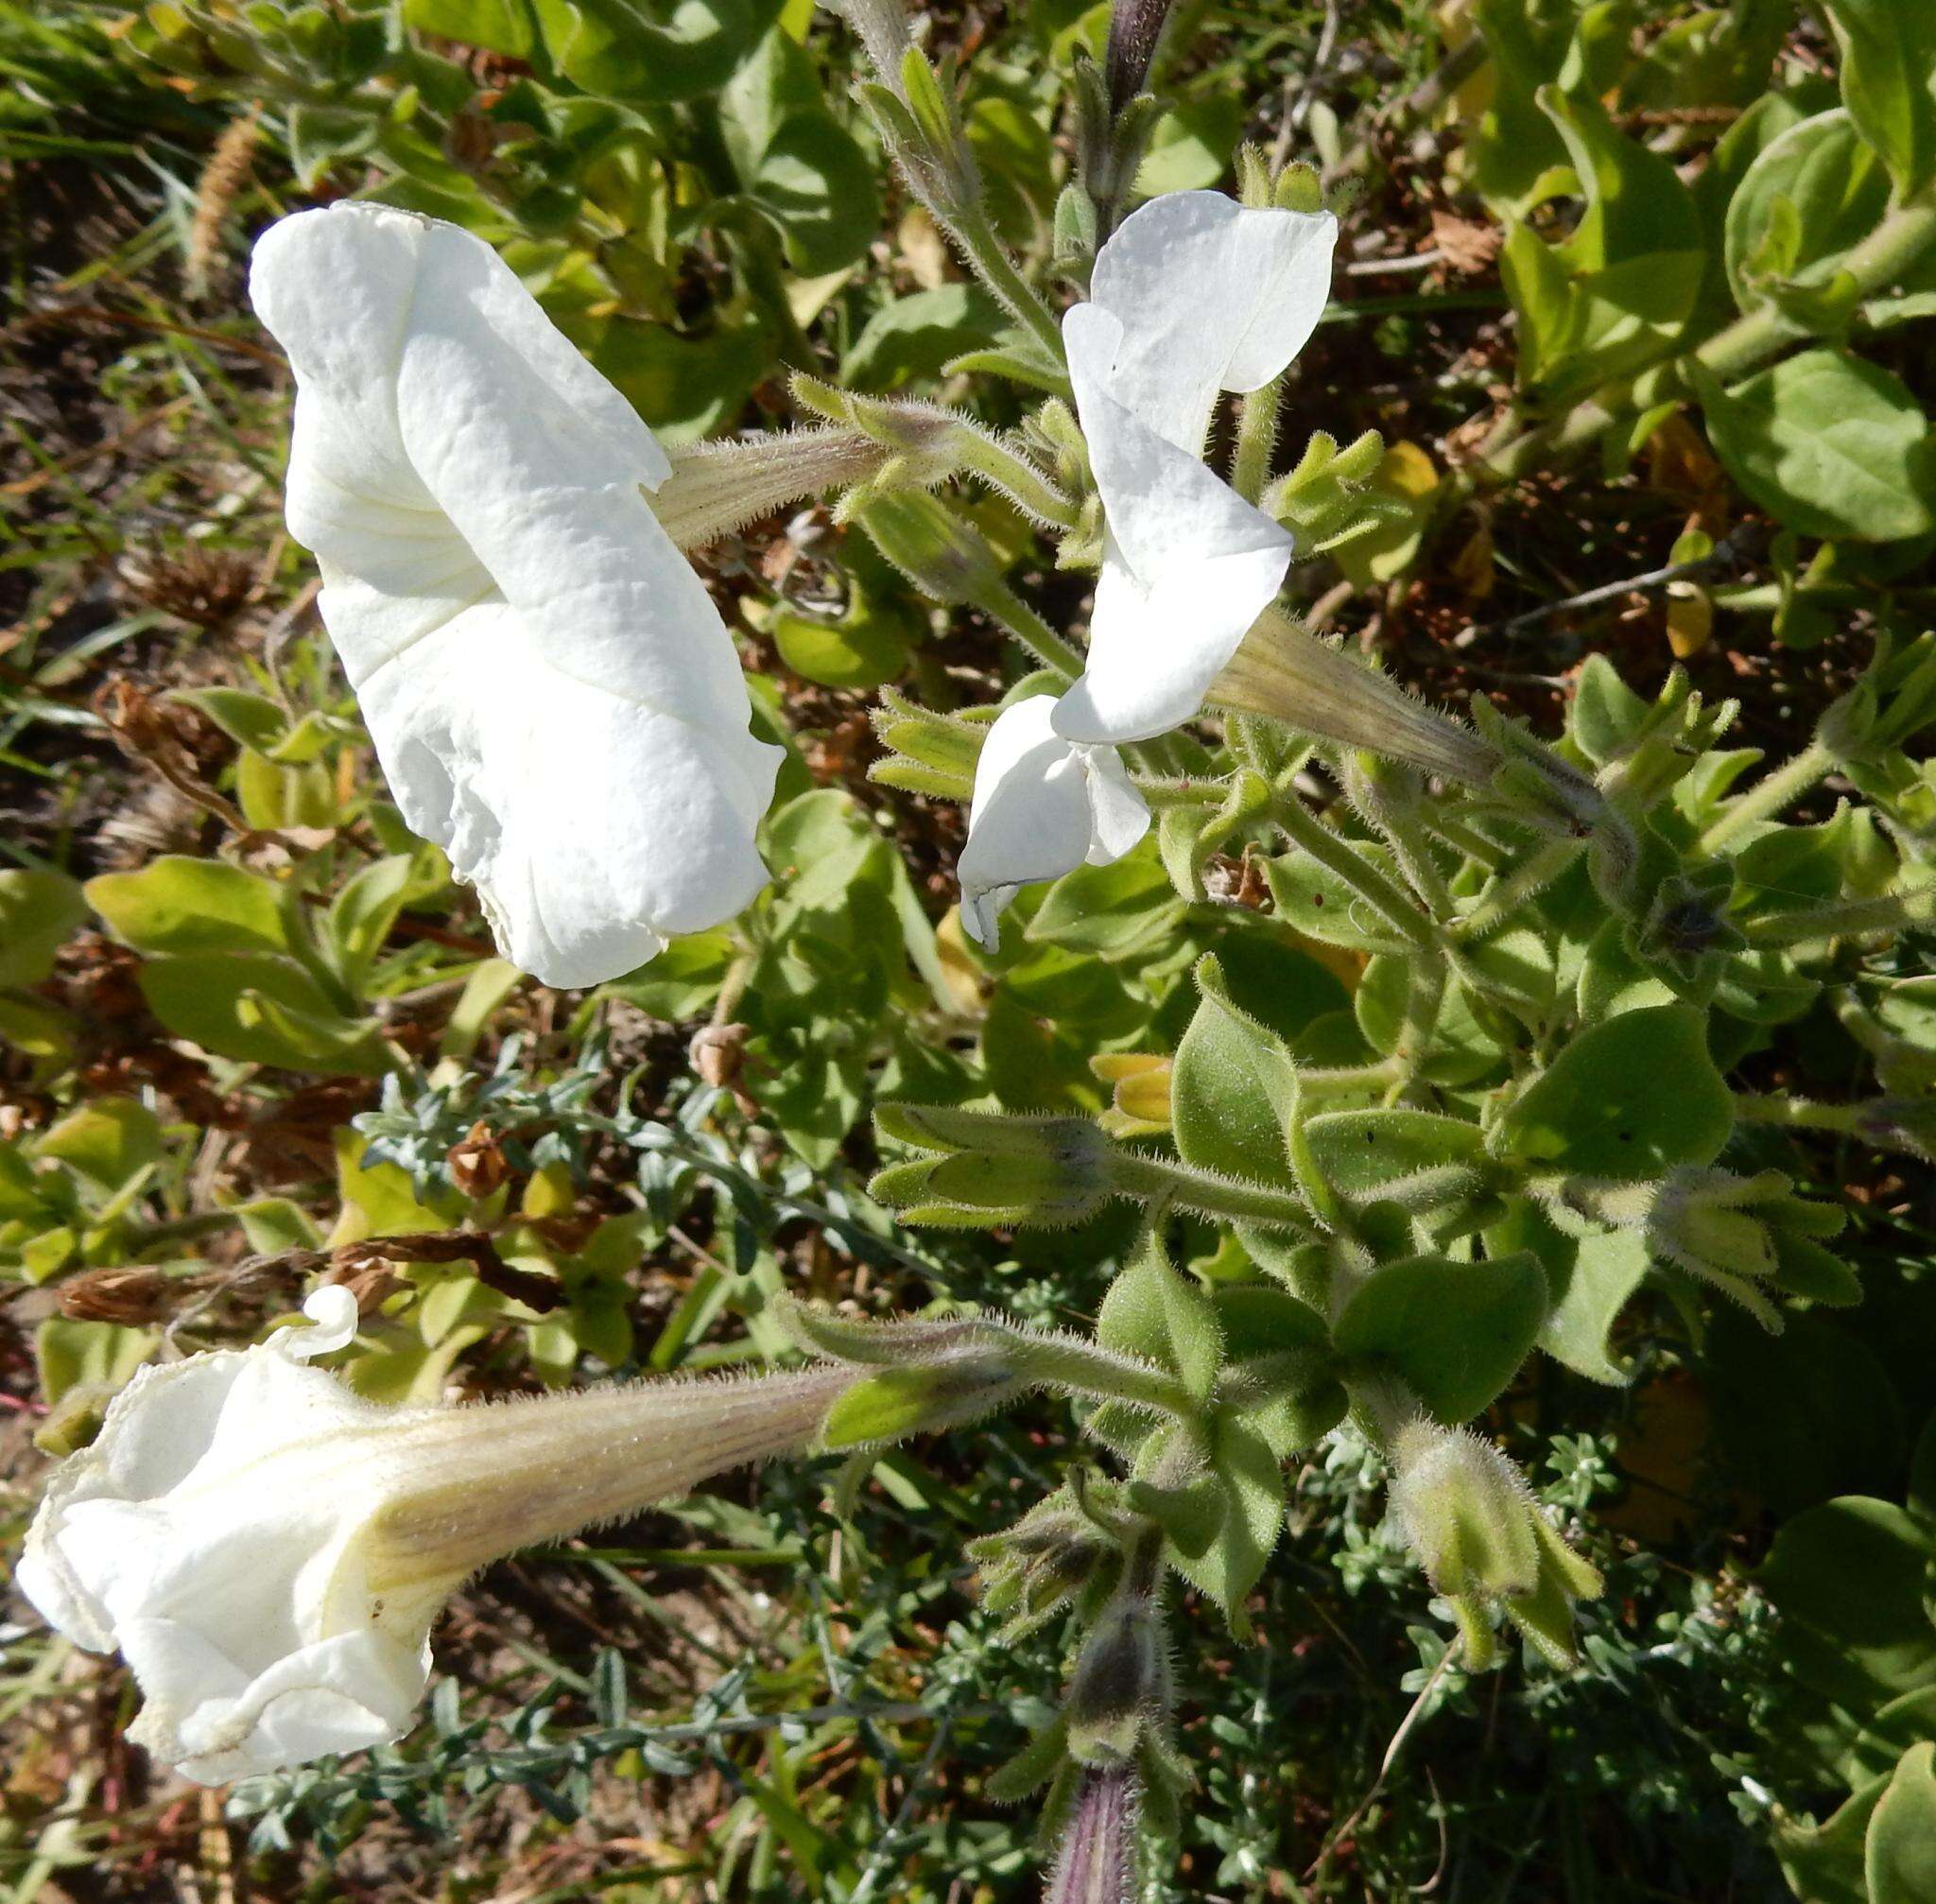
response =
{"points": [[1687, 926], [1483, 1540], [1120, 1683], [994, 1168], [1743, 1233], [1065, 1547], [925, 752], [949, 560], [1140, 1080]]}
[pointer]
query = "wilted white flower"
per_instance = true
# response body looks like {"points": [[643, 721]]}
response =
{"points": [[551, 692], [1192, 295], [1043, 806], [268, 1549]]}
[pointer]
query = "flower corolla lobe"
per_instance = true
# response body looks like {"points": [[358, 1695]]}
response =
{"points": [[552, 693], [1193, 295]]}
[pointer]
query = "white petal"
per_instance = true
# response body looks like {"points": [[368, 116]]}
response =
{"points": [[1212, 296], [1188, 565], [332, 1310], [1035, 814], [215, 1724], [590, 824], [551, 692], [1119, 814]]}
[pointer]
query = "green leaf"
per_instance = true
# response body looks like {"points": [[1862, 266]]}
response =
{"points": [[499, 26], [1360, 1151], [1454, 1332], [1252, 1480], [1605, 716], [1888, 81], [1310, 898], [1234, 1098], [866, 648], [1823, 1862], [1111, 909], [1899, 1856], [74, 1355], [176, 904], [1589, 1279], [1603, 1107], [1460, 1051], [800, 166], [360, 916], [646, 50], [40, 911], [1848, 1579], [263, 1009], [107, 1143], [912, 338], [1828, 443], [684, 979], [1810, 195], [253, 719], [1166, 1318]]}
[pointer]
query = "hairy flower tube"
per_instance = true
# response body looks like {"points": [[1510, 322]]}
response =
{"points": [[1043, 806], [1192, 295], [268, 1549], [551, 692]]}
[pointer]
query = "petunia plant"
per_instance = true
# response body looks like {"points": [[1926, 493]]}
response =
{"points": [[1382, 1050]]}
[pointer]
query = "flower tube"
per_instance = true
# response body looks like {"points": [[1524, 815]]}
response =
{"points": [[1043, 806], [552, 694], [268, 1549]]}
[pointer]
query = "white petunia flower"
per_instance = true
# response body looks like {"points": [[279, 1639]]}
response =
{"points": [[268, 1549], [1192, 295], [1043, 806], [551, 692]]}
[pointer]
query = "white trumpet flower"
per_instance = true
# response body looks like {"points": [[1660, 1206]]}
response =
{"points": [[550, 691], [1042, 806], [268, 1549], [1193, 294]]}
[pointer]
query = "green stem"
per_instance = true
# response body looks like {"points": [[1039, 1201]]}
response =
{"points": [[1157, 1180], [1001, 604], [1846, 919], [1256, 436], [1334, 852], [1796, 1114], [991, 263], [1510, 890], [1768, 796], [1088, 1370]]}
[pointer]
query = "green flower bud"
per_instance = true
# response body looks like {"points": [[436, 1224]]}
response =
{"points": [[993, 1168], [925, 752], [1484, 1541], [1120, 1683]]}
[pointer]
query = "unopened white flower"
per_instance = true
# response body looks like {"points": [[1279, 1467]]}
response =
{"points": [[1042, 806], [551, 692], [1192, 295], [268, 1549]]}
